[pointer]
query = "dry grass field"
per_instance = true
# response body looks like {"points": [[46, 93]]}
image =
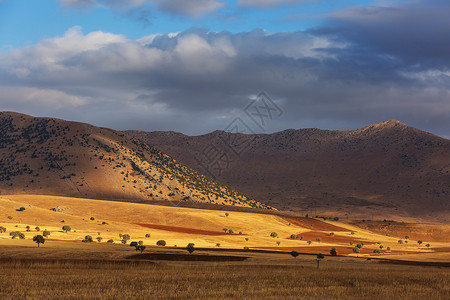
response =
{"points": [[118, 280]]}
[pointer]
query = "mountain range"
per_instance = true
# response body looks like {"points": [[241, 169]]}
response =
{"points": [[384, 170]]}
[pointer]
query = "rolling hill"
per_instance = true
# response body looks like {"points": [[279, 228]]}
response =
{"points": [[54, 157], [385, 170]]}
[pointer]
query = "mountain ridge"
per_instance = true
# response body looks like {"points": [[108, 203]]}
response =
{"points": [[386, 168]]}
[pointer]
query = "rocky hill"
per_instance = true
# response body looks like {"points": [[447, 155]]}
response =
{"points": [[385, 170], [55, 157]]}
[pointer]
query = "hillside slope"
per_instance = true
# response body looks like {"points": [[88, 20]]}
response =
{"points": [[56, 157], [383, 170]]}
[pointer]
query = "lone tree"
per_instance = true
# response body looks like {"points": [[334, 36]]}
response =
{"points": [[39, 239], [333, 251], [190, 247], [319, 258], [66, 228]]}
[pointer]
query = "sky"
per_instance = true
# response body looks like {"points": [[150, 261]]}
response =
{"points": [[196, 66]]}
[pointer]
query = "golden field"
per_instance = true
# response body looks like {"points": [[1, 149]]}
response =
{"points": [[220, 267]]}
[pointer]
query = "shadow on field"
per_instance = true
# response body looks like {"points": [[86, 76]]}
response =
{"points": [[185, 257]]}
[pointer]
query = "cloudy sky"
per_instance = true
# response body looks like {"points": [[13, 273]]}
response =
{"points": [[193, 66]]}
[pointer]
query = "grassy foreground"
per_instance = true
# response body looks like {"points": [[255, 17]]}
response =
{"points": [[47, 279]]}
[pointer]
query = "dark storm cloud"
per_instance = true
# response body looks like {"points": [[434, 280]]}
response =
{"points": [[417, 31], [197, 81]]}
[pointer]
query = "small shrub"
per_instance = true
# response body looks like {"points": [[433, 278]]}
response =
{"points": [[110, 241], [87, 239], [21, 209], [99, 239], [147, 235], [227, 214], [356, 250], [230, 231], [419, 242], [123, 241], [37, 228], [428, 245], [352, 233], [46, 233], [218, 245], [28, 228], [294, 236], [381, 246], [92, 218], [400, 241], [318, 239], [376, 251], [359, 245], [309, 242], [126, 237], [331, 233], [161, 243], [388, 248], [278, 243], [9, 217], [66, 228], [406, 237], [274, 234]]}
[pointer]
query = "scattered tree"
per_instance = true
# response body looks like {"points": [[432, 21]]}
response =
{"points": [[388, 248], [21, 209], [218, 245], [39, 239], [230, 231], [99, 239], [133, 244], [318, 239], [419, 242], [37, 228], [17, 234], [227, 214], [87, 239], [161, 243], [331, 233], [147, 235], [66, 228], [274, 234], [309, 242], [92, 218], [140, 248], [28, 228], [400, 241], [190, 247], [333, 251], [110, 241], [356, 250], [278, 243], [2, 229], [46, 233], [126, 237], [428, 245]]}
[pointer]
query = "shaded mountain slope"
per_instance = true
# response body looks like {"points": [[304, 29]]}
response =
{"points": [[383, 170]]}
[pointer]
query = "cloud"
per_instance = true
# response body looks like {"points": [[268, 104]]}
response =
{"points": [[197, 81], [140, 8], [417, 31]]}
